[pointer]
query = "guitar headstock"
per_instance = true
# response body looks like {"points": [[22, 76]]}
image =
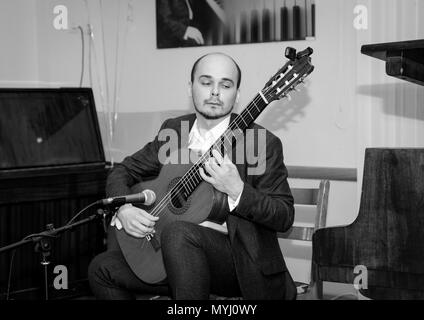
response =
{"points": [[290, 75]]}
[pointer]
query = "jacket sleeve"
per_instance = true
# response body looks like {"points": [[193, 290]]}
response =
{"points": [[268, 200], [135, 168]]}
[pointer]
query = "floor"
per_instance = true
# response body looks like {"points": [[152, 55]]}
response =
{"points": [[335, 291], [332, 291]]}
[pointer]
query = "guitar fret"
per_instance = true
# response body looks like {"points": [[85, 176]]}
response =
{"points": [[257, 108], [237, 127], [263, 97], [186, 192], [247, 109], [197, 177], [229, 141], [193, 180], [189, 182], [243, 121]]}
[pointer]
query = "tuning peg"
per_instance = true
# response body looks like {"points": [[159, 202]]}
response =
{"points": [[290, 53], [307, 52]]}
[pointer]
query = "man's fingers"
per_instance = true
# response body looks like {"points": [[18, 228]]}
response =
{"points": [[209, 169], [145, 221], [140, 228], [215, 166], [135, 232], [217, 156], [205, 177], [147, 216]]}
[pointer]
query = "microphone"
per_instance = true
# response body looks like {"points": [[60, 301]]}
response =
{"points": [[147, 197]]}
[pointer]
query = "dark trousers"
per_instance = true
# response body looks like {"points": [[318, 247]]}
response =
{"points": [[198, 262]]}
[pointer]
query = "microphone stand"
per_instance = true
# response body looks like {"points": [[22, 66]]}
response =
{"points": [[43, 242]]}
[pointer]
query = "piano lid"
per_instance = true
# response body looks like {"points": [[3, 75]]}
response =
{"points": [[404, 59], [42, 128]]}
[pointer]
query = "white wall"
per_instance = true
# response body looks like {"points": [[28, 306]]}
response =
{"points": [[18, 53]]}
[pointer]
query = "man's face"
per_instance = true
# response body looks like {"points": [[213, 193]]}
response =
{"points": [[214, 88]]}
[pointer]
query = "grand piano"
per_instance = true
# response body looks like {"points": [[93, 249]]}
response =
{"points": [[387, 236], [52, 165]]}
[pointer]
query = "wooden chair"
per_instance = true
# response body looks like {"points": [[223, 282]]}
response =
{"points": [[387, 236], [309, 197]]}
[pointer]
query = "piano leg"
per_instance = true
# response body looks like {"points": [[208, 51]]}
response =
{"points": [[316, 284]]}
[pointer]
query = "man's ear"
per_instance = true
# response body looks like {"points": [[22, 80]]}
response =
{"points": [[189, 89], [238, 96]]}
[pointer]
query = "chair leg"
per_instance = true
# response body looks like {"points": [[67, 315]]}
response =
{"points": [[319, 290], [316, 290]]}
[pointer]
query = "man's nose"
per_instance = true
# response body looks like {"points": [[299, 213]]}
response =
{"points": [[215, 91]]}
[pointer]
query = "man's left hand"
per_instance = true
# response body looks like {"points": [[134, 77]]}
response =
{"points": [[223, 175]]}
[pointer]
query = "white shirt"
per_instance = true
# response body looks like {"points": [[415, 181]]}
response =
{"points": [[201, 143]]}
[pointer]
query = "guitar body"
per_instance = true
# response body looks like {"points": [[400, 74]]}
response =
{"points": [[144, 256]]}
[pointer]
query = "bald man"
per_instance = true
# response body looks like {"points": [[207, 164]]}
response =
{"points": [[239, 258]]}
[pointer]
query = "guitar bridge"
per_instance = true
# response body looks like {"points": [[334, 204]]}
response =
{"points": [[152, 240]]}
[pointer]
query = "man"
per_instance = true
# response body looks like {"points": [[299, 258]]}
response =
{"points": [[238, 258]]}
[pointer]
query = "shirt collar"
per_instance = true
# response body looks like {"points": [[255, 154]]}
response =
{"points": [[210, 136]]}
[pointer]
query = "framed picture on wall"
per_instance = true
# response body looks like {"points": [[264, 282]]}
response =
{"points": [[188, 23]]}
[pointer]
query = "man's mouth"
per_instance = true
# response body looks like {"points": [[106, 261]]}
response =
{"points": [[214, 103]]}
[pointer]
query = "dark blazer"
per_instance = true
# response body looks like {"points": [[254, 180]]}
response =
{"points": [[265, 207]]}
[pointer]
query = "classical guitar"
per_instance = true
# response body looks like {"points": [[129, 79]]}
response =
{"points": [[180, 191]]}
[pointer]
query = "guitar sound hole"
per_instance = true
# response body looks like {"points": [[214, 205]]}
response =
{"points": [[179, 202]]}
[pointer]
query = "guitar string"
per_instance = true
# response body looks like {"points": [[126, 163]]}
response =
{"points": [[188, 175], [157, 210]]}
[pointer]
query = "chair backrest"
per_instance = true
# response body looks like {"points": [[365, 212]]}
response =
{"points": [[311, 197]]}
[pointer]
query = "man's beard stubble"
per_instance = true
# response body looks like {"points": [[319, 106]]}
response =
{"points": [[214, 117]]}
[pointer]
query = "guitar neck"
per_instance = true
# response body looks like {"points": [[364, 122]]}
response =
{"points": [[249, 114]]}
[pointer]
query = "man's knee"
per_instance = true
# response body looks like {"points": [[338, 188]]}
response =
{"points": [[95, 266], [98, 267], [178, 233]]}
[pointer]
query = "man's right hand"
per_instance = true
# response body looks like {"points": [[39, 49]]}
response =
{"points": [[195, 34], [136, 222]]}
